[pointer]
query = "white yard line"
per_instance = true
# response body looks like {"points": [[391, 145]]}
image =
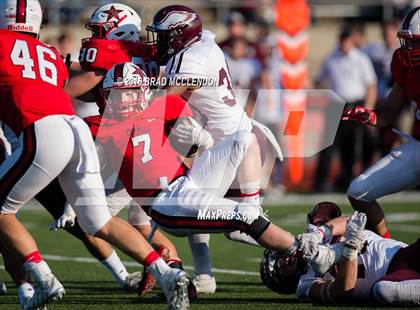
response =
{"points": [[90, 260]]}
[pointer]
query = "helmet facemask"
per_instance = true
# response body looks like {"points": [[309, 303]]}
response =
{"points": [[100, 30], [410, 50], [124, 103], [162, 40]]}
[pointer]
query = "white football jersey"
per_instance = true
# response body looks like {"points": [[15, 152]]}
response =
{"points": [[214, 106], [375, 260], [379, 253]]}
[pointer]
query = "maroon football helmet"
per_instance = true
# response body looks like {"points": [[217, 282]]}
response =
{"points": [[280, 273], [174, 28], [323, 212]]}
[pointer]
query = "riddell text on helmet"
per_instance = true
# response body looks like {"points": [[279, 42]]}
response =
{"points": [[20, 28]]}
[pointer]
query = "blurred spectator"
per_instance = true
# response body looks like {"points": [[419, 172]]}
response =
{"points": [[243, 69], [236, 29], [350, 74], [358, 32], [370, 136]]}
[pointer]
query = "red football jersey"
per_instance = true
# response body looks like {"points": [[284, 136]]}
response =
{"points": [[139, 147], [32, 76], [409, 80], [102, 55]]}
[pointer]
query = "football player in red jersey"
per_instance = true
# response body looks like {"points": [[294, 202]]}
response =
{"points": [[134, 139], [35, 106], [400, 169], [115, 38]]}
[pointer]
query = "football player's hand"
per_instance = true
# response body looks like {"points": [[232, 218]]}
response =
{"points": [[193, 133], [361, 115], [308, 241], [67, 220], [354, 235], [308, 245], [324, 260]]}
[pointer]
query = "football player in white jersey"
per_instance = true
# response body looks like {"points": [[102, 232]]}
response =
{"points": [[196, 69], [369, 267]]}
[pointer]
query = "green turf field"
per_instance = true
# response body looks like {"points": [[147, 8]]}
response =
{"points": [[89, 286]]}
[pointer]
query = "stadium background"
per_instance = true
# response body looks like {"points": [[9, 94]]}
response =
{"points": [[89, 286]]}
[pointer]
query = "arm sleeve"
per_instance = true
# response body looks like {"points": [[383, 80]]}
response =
{"points": [[397, 69]]}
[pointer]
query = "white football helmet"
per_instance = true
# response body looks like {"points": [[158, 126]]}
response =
{"points": [[409, 36], [115, 21], [126, 91], [21, 15]]}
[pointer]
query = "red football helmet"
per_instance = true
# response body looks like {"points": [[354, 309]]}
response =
{"points": [[409, 36], [174, 28], [126, 91]]}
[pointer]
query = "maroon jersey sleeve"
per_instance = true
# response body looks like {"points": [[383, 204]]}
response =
{"points": [[398, 69]]}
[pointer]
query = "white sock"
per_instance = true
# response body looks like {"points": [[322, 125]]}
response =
{"points": [[116, 268], [25, 292], [250, 192], [199, 245]]}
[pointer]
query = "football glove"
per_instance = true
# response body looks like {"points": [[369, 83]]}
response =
{"points": [[67, 220], [361, 115], [324, 259], [193, 133], [309, 241], [354, 235]]}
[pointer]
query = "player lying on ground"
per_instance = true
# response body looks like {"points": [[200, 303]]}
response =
{"points": [[399, 170], [369, 267], [190, 53], [34, 104]]}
